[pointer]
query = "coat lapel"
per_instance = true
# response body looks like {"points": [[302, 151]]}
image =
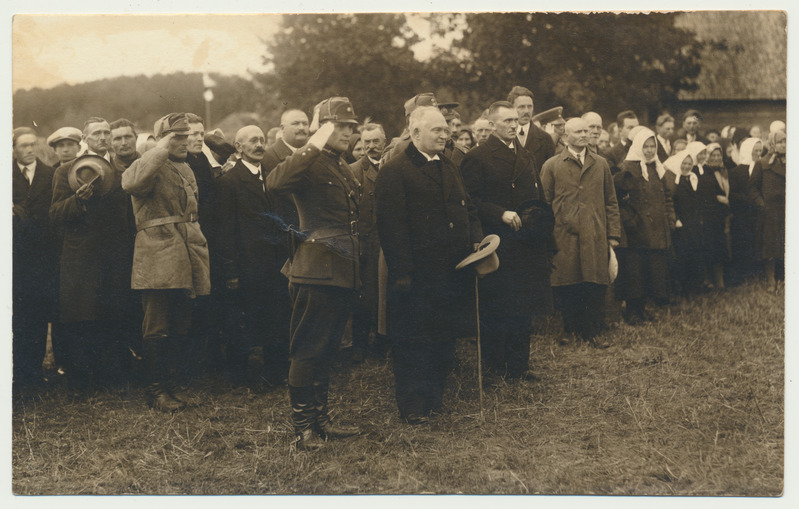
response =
{"points": [[250, 182]]}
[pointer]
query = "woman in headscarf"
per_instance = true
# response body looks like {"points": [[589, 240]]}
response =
{"points": [[647, 215], [744, 223], [716, 204], [767, 187], [688, 267]]}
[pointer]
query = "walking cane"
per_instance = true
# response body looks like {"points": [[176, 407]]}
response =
{"points": [[487, 262], [479, 352]]}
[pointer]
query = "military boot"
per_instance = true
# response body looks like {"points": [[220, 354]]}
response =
{"points": [[158, 393], [303, 416], [324, 425]]}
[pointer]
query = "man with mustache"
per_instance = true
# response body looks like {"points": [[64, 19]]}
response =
{"points": [[365, 169], [537, 142], [249, 245]]}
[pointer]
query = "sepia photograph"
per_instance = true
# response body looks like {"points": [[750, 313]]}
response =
{"points": [[375, 252]]}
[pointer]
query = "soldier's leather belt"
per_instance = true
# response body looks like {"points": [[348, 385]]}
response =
{"points": [[188, 218]]}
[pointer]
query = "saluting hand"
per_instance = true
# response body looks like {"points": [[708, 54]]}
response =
{"points": [[164, 141], [320, 137]]}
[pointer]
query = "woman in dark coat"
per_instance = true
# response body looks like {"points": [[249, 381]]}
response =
{"points": [[745, 217], [768, 190], [716, 206], [647, 216], [688, 267]]}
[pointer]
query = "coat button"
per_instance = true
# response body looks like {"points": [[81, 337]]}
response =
{"points": [[513, 185], [579, 187], [463, 203], [451, 226]]}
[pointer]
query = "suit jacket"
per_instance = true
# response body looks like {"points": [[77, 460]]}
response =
{"points": [[539, 144], [616, 155], [33, 240], [427, 224], [249, 238], [366, 173], [97, 250], [499, 180], [283, 206], [326, 195]]}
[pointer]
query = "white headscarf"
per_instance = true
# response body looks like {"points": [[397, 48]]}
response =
{"points": [[694, 148], [636, 153], [747, 146], [720, 174], [674, 164]]}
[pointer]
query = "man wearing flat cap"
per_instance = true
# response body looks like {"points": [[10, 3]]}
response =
{"points": [[322, 267], [451, 150], [33, 258], [427, 224], [66, 144], [170, 259], [691, 122], [501, 178], [94, 214], [538, 143]]}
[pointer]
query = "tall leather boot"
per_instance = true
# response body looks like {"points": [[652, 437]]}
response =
{"points": [[324, 425], [303, 416], [158, 391]]}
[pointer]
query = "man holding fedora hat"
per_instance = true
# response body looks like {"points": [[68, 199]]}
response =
{"points": [[323, 265], [94, 214], [426, 224], [170, 259], [501, 178]]}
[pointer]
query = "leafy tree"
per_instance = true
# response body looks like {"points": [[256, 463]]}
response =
{"points": [[604, 62], [365, 57]]}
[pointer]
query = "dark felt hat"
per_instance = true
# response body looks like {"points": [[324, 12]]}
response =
{"points": [[219, 145]]}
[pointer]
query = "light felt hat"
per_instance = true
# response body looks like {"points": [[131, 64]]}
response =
{"points": [[485, 257]]}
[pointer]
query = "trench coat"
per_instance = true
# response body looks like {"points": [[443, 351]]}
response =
{"points": [[426, 223], [96, 251], [586, 217], [498, 180], [170, 251]]}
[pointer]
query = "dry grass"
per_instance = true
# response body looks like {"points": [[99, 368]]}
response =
{"points": [[689, 405]]}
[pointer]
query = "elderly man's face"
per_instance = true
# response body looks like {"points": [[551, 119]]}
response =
{"points": [[594, 122], [97, 136], [691, 124], [505, 121], [196, 137], [524, 107], [66, 150], [482, 130], [604, 141], [577, 134], [374, 142], [179, 146], [123, 141], [24, 149], [295, 128], [250, 143], [431, 134]]}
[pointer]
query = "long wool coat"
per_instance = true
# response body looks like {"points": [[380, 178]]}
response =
{"points": [[768, 190], [498, 180], [586, 217], [427, 224], [173, 255]]}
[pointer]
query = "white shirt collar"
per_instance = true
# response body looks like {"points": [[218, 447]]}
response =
{"points": [[577, 155], [373, 161], [107, 155], [255, 170], [31, 166], [289, 146], [429, 158], [210, 155]]}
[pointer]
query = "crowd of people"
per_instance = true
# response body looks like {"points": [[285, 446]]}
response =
{"points": [[184, 252]]}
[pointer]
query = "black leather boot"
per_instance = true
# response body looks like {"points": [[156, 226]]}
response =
{"points": [[324, 425], [158, 393], [303, 416]]}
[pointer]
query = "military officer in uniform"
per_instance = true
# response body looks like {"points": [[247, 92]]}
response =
{"points": [[322, 268]]}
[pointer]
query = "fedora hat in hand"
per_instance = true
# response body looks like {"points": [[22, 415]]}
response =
{"points": [[91, 169], [484, 258]]}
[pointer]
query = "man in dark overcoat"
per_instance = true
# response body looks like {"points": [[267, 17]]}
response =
{"points": [[323, 268], [365, 169], [250, 241], [96, 255], [501, 177], [33, 258], [427, 224]]}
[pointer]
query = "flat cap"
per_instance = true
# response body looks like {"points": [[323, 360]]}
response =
{"points": [[64, 133], [172, 123], [549, 116], [424, 99], [448, 110], [691, 113]]}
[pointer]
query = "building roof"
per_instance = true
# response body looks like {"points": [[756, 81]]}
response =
{"points": [[747, 58]]}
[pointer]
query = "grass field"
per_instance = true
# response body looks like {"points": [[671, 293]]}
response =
{"points": [[692, 404]]}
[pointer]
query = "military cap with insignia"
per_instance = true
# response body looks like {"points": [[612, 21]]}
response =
{"points": [[173, 123], [549, 116], [448, 110], [424, 99]]}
